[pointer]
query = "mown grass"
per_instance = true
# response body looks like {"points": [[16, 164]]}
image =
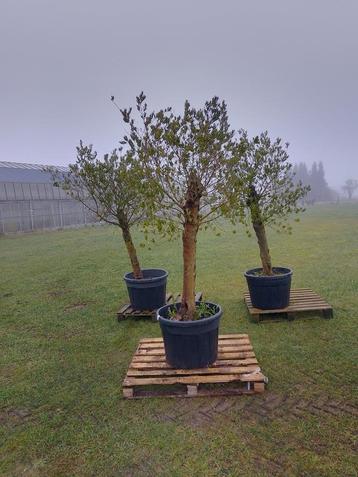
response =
{"points": [[64, 356]]}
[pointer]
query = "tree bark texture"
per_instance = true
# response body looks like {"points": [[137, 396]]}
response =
{"points": [[191, 227], [137, 272], [187, 308], [263, 246], [260, 231]]}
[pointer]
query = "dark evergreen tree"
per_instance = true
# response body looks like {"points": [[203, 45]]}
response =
{"points": [[314, 182], [315, 178], [302, 176]]}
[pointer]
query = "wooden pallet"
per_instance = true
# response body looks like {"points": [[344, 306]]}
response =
{"points": [[236, 371], [127, 311], [301, 300]]}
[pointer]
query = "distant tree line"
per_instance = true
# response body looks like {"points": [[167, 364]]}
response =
{"points": [[315, 178], [350, 186]]}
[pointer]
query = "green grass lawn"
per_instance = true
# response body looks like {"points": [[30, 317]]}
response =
{"points": [[64, 355]]}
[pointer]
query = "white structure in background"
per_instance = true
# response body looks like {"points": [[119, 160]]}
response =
{"points": [[29, 201]]}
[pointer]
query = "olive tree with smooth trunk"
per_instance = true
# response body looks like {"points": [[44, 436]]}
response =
{"points": [[111, 188], [266, 192], [185, 157]]}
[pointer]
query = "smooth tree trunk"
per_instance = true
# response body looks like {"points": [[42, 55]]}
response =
{"points": [[263, 246], [187, 308], [137, 272], [260, 231]]}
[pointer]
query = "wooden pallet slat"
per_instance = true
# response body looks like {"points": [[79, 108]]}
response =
{"points": [[218, 364], [191, 372], [223, 338], [177, 298], [124, 308], [236, 365], [150, 340], [223, 343], [306, 307], [126, 311], [195, 379], [198, 296], [223, 349], [301, 300], [247, 353], [235, 336], [246, 356], [296, 304]]}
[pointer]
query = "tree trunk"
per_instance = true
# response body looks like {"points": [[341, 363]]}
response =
{"points": [[191, 227], [187, 308], [259, 227], [137, 272], [263, 246]]}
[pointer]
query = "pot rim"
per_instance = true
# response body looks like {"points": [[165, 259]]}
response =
{"points": [[129, 279], [189, 323], [286, 272]]}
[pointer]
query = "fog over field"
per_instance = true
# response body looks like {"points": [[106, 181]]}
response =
{"points": [[289, 67]]}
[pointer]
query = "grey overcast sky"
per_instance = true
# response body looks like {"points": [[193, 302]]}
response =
{"points": [[288, 66]]}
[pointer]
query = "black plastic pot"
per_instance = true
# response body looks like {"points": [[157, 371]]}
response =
{"points": [[190, 344], [269, 292], [147, 293]]}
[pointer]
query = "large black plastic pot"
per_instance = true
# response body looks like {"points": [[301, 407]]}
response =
{"points": [[190, 344], [269, 292], [147, 293]]}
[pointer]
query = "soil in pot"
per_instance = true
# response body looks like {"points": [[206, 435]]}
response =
{"points": [[269, 292], [190, 344], [147, 293]]}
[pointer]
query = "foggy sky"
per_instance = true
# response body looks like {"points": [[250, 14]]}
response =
{"points": [[288, 66]]}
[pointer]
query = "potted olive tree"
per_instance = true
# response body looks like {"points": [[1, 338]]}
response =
{"points": [[113, 189], [268, 196], [185, 158]]}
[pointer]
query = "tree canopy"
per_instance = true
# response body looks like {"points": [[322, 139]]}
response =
{"points": [[113, 188], [266, 193], [186, 157], [266, 188]]}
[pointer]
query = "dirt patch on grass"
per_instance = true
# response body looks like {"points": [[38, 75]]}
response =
{"points": [[75, 306], [12, 417], [265, 407], [56, 293], [8, 371], [6, 295]]}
